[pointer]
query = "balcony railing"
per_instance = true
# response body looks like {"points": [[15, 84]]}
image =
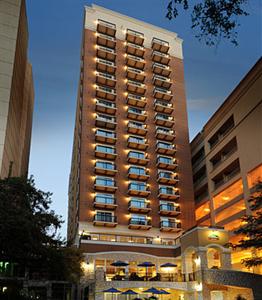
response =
{"points": [[106, 40], [136, 87], [138, 206], [105, 122], [137, 143], [138, 190], [135, 62], [134, 158], [166, 163], [168, 149], [163, 107], [170, 226], [105, 136], [169, 209], [136, 100], [165, 134], [105, 93], [105, 79], [105, 169], [105, 152], [168, 193], [160, 57], [163, 94], [161, 81], [105, 53], [136, 114], [135, 74], [161, 69], [104, 202], [164, 120], [105, 220], [167, 178], [134, 37], [106, 27], [138, 174], [139, 223], [106, 107], [160, 45], [136, 128], [135, 49], [105, 66]]}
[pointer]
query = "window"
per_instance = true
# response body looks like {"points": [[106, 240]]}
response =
{"points": [[163, 117], [105, 133], [135, 110], [138, 186], [230, 211], [138, 202], [254, 176], [168, 222], [168, 206], [105, 149], [166, 190], [105, 103], [228, 194], [137, 170], [104, 181], [105, 198], [164, 159], [104, 216], [105, 165], [136, 124], [202, 211], [138, 219], [165, 145], [136, 154], [106, 118], [134, 139], [163, 174]]}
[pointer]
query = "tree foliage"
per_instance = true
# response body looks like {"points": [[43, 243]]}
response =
{"points": [[29, 232], [252, 229], [212, 20]]}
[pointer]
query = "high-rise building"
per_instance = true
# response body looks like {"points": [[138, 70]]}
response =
{"points": [[131, 203], [16, 90], [227, 159]]}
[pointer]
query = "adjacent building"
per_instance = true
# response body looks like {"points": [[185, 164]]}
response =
{"points": [[227, 159], [16, 90]]}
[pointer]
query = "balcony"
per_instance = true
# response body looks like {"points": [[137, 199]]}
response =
{"points": [[138, 190], [163, 107], [139, 206], [135, 49], [105, 66], [168, 193], [105, 121], [161, 81], [105, 202], [167, 178], [136, 114], [165, 134], [164, 120], [105, 185], [139, 223], [169, 209], [160, 57], [106, 107], [137, 143], [105, 136], [106, 27], [136, 128], [135, 74], [105, 152], [166, 163], [134, 37], [162, 94], [105, 93], [135, 62], [105, 53], [137, 173], [105, 168], [138, 158], [162, 70], [106, 79], [135, 100], [160, 45], [105, 40], [105, 220], [136, 87], [165, 148], [170, 226]]}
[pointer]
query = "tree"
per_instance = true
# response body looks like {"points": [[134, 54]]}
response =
{"points": [[29, 232], [212, 20], [252, 229]]}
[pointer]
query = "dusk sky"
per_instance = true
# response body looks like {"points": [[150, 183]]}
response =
{"points": [[55, 28]]}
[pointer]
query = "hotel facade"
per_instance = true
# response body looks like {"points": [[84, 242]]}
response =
{"points": [[16, 90], [227, 160], [131, 201]]}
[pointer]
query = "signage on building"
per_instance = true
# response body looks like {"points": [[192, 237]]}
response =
{"points": [[213, 236]]}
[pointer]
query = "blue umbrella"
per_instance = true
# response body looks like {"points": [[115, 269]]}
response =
{"points": [[146, 264], [153, 290], [129, 292], [168, 265], [119, 263], [164, 292], [112, 291]]}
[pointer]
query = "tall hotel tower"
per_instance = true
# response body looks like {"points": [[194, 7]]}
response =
{"points": [[131, 179]]}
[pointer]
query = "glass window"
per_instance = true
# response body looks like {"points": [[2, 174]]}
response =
{"points": [[136, 154], [138, 202], [139, 186], [105, 165], [104, 198], [135, 110], [254, 176], [166, 190], [105, 149], [230, 211], [135, 139], [166, 160], [105, 133], [137, 170], [106, 118], [104, 216], [105, 181], [202, 210], [228, 194], [165, 145]]}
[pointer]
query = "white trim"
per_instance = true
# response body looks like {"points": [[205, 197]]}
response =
{"points": [[129, 252]]}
